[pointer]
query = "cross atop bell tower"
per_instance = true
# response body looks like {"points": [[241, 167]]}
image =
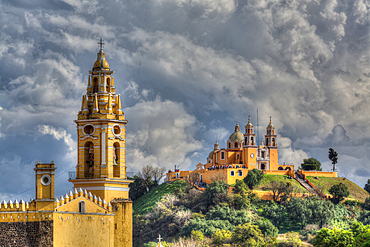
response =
{"points": [[101, 43], [101, 132]]}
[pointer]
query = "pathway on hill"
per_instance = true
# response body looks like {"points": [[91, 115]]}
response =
{"points": [[306, 185]]}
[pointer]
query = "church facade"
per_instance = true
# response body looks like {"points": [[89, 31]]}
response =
{"points": [[241, 155], [97, 211]]}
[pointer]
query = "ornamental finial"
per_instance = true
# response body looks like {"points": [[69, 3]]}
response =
{"points": [[101, 44]]}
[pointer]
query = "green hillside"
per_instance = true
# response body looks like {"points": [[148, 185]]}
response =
{"points": [[267, 179], [324, 184], [145, 203]]}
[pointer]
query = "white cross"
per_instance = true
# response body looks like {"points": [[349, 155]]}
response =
{"points": [[159, 238]]}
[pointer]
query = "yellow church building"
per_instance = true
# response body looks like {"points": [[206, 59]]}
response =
{"points": [[97, 211], [241, 155]]}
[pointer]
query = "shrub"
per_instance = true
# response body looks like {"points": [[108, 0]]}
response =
{"points": [[254, 178], [247, 235], [267, 228], [339, 191], [216, 193], [197, 235], [221, 236]]}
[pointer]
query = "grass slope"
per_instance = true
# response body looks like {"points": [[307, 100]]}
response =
{"points": [[267, 179], [324, 184], [145, 203]]}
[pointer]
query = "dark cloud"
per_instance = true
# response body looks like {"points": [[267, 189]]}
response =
{"points": [[187, 70]]}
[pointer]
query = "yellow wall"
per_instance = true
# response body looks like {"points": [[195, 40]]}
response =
{"points": [[123, 223], [319, 174], [74, 229]]}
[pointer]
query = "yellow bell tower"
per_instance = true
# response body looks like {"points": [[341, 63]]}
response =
{"points": [[101, 134], [45, 186]]}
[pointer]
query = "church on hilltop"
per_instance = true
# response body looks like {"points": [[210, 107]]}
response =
{"points": [[241, 155], [97, 211]]}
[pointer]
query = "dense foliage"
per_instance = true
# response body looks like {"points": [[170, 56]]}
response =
{"points": [[254, 178], [217, 217], [339, 191], [311, 164]]}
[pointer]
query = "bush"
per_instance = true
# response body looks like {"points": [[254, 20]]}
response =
{"points": [[292, 240], [267, 228], [221, 236], [335, 237], [247, 235], [339, 191], [197, 235], [216, 192], [254, 178]]}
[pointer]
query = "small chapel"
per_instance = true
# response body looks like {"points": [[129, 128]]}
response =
{"points": [[97, 211]]}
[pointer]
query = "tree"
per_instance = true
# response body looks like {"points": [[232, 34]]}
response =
{"points": [[339, 191], [333, 156], [367, 186], [137, 188], [311, 164], [158, 174], [151, 175], [254, 178], [280, 191], [247, 235], [217, 192]]}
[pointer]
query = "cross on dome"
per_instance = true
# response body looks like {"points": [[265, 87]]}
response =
{"points": [[101, 43]]}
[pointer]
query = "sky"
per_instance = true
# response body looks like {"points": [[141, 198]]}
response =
{"points": [[186, 70]]}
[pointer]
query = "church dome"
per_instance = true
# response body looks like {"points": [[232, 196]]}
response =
{"points": [[211, 154], [101, 63], [236, 136]]}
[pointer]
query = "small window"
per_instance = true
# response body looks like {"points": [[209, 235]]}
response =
{"points": [[232, 173], [222, 155], [252, 140], [81, 207], [237, 156], [236, 145], [240, 173], [229, 145], [262, 154]]}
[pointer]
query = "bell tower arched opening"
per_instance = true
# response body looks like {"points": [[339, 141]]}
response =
{"points": [[89, 160], [116, 161], [95, 85]]}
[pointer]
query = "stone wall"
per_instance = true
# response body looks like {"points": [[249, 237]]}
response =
{"points": [[38, 233]]}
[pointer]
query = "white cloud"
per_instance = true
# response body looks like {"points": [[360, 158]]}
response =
{"points": [[62, 134], [160, 133]]}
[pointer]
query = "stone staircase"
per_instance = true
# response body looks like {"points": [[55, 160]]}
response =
{"points": [[306, 185]]}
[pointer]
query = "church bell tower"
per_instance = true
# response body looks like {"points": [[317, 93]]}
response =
{"points": [[101, 136]]}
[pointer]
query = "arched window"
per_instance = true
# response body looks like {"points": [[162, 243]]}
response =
{"points": [[108, 84], [252, 140], [280, 168], [237, 156], [267, 141], [89, 160], [201, 178], [273, 141], [229, 145], [288, 168], [263, 166], [95, 84], [236, 145], [81, 207], [222, 155], [232, 173], [116, 159], [240, 173]]}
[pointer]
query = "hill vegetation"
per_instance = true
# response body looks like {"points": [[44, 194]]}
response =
{"points": [[216, 217], [324, 184]]}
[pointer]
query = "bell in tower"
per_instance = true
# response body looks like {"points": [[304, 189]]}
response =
{"points": [[101, 132]]}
